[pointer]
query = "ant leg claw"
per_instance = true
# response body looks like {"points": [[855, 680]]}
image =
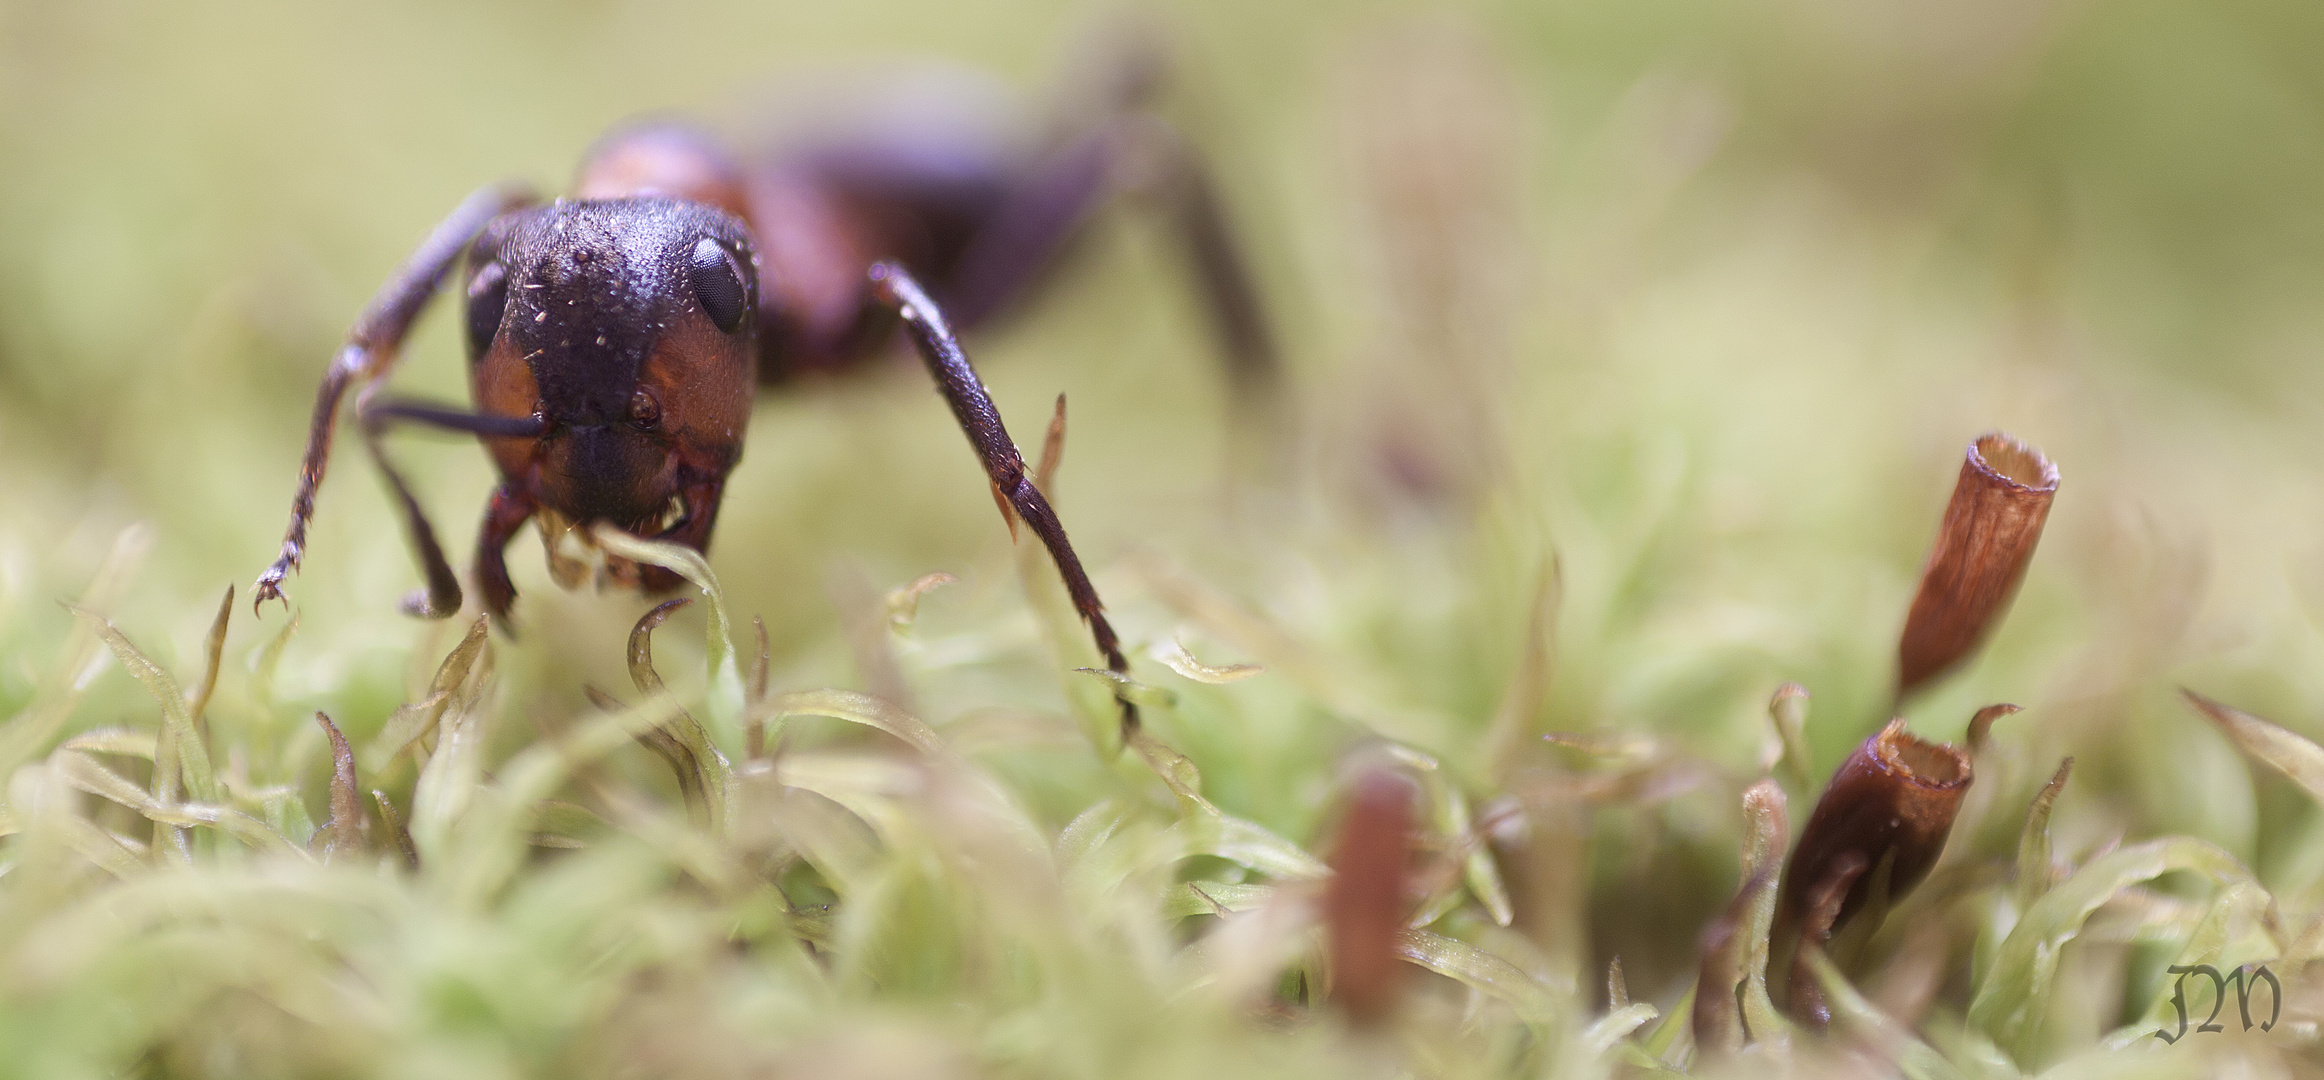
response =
{"points": [[419, 605], [269, 585]]}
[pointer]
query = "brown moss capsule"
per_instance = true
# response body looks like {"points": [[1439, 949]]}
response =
{"points": [[1983, 546], [1363, 902], [1881, 823]]}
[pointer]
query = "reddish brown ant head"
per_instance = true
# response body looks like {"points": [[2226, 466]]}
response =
{"points": [[628, 327]]}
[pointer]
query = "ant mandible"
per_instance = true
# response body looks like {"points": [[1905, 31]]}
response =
{"points": [[614, 338]]}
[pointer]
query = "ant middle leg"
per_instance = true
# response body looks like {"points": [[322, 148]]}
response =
{"points": [[980, 420], [440, 599]]}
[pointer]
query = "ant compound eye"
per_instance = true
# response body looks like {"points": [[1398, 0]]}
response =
{"points": [[487, 300], [645, 410], [717, 284]]}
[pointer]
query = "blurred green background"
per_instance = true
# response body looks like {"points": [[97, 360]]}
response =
{"points": [[1702, 299]]}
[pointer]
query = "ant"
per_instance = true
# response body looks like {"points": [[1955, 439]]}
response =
{"points": [[614, 338]]}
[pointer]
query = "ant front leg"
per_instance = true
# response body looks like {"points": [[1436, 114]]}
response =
{"points": [[509, 509], [370, 353], [441, 598], [980, 420]]}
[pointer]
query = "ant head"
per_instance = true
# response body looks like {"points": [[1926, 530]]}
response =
{"points": [[629, 326]]}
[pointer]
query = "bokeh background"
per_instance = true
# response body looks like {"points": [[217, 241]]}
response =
{"points": [[1696, 303]]}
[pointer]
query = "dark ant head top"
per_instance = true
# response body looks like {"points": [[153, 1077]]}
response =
{"points": [[629, 327]]}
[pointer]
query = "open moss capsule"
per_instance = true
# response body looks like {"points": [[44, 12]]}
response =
{"points": [[1988, 536], [1880, 825]]}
